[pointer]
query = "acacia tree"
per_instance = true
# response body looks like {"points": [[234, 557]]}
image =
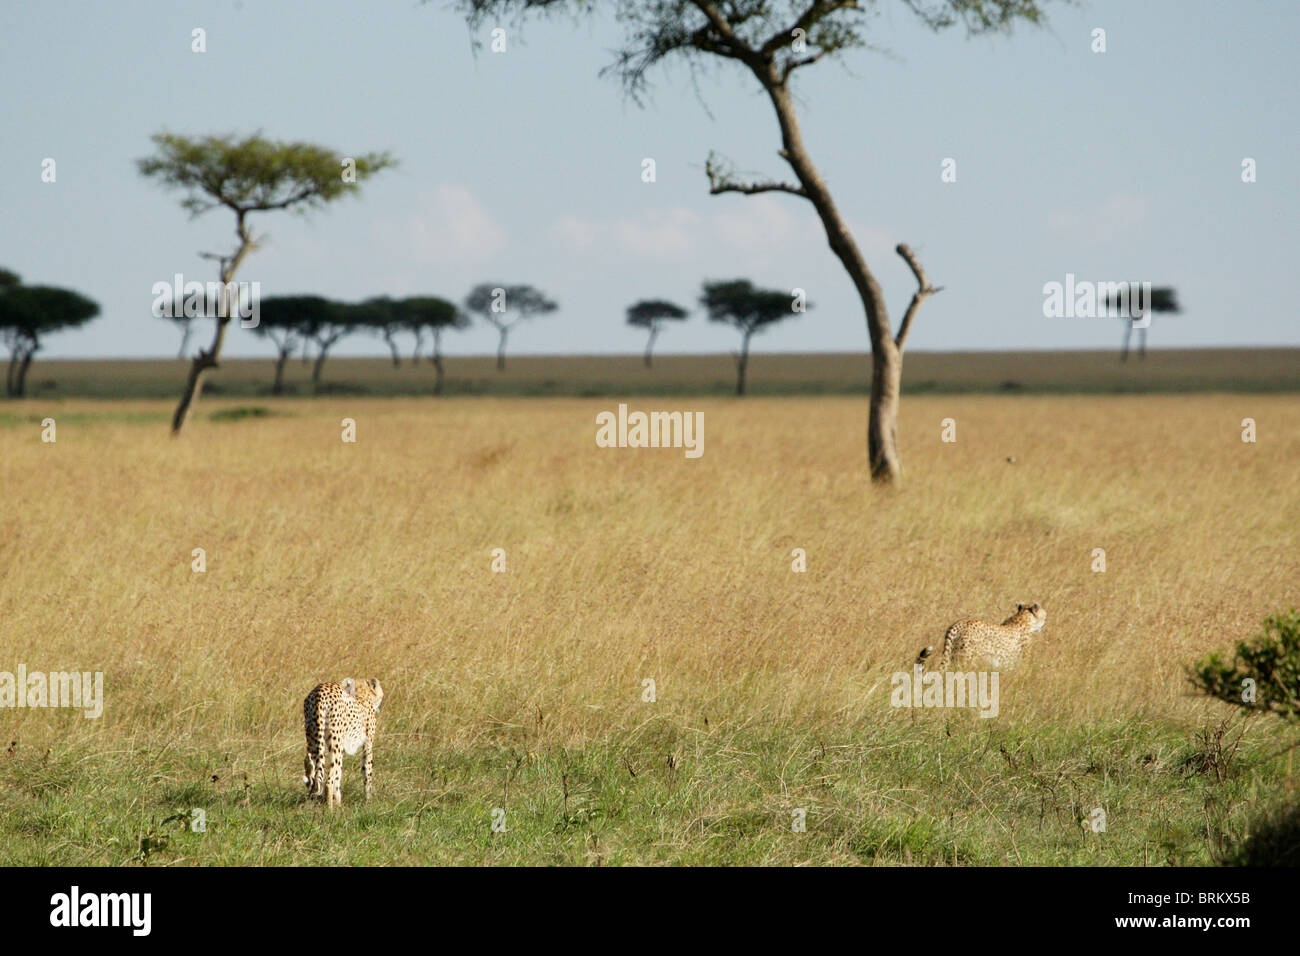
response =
{"points": [[650, 314], [283, 320], [247, 176], [772, 40], [738, 304], [1162, 299], [503, 307], [429, 313], [28, 313], [332, 323], [382, 317]]}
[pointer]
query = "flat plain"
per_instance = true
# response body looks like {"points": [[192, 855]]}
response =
{"points": [[520, 695]]}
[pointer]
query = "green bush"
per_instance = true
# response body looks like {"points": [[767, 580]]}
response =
{"points": [[1264, 674]]}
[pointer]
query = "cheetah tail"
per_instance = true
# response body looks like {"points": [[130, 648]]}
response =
{"points": [[925, 654]]}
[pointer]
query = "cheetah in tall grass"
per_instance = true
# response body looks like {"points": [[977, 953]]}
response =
{"points": [[340, 718], [998, 646]]}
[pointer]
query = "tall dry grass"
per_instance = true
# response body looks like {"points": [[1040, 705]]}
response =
{"points": [[327, 559]]}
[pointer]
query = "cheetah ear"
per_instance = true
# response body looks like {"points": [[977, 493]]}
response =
{"points": [[349, 689], [1020, 607]]}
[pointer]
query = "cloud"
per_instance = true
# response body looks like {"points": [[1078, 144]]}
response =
{"points": [[760, 222], [659, 234], [761, 226], [449, 225], [1112, 219]]}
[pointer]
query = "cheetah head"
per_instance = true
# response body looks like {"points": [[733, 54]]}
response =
{"points": [[376, 692], [1037, 616]]}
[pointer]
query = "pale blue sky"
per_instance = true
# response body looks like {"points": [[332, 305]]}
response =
{"points": [[525, 167]]}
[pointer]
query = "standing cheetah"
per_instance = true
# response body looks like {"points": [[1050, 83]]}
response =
{"points": [[998, 645], [339, 718]]}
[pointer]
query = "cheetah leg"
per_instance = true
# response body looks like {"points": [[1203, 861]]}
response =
{"points": [[318, 766], [950, 652], [311, 765], [334, 794], [369, 768]]}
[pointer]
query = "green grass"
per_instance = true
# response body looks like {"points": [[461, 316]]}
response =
{"points": [[938, 790]]}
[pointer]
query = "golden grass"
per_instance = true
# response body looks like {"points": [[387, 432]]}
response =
{"points": [[326, 559]]}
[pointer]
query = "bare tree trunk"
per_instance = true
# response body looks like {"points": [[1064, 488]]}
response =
{"points": [[278, 387], [437, 362], [1142, 345], [392, 347], [501, 350], [186, 331], [13, 369], [882, 419], [320, 364], [208, 358], [886, 352], [741, 363], [1128, 331], [20, 389], [419, 344], [650, 344]]}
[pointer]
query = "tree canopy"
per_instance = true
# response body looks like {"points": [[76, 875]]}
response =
{"points": [[738, 303], [252, 173], [649, 312], [27, 313], [788, 34]]}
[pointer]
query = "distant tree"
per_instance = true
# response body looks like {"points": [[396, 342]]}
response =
{"points": [[738, 304], [338, 320], [246, 176], [1163, 299], [27, 315], [284, 320], [651, 314], [496, 303], [434, 315], [384, 319]]}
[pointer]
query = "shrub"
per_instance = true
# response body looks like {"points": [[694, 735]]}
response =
{"points": [[1264, 674]]}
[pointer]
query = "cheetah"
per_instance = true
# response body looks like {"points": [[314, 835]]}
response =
{"points": [[339, 717], [997, 645]]}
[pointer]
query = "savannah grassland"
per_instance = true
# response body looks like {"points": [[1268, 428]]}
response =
{"points": [[523, 690]]}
